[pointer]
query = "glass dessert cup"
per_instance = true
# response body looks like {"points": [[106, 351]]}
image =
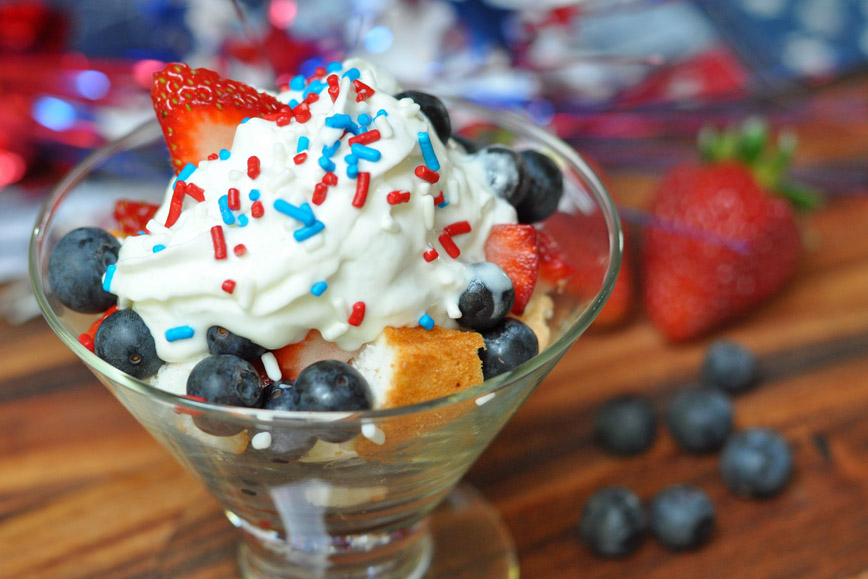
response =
{"points": [[334, 494]]}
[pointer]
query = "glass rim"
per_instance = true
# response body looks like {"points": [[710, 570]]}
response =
{"points": [[148, 131]]}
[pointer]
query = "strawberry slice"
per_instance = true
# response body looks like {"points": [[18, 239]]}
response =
{"points": [[513, 247], [199, 111], [133, 216], [294, 358]]}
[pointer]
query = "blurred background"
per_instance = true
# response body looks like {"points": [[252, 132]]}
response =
{"points": [[627, 82]]}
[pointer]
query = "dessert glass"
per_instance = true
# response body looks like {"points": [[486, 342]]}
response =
{"points": [[336, 494]]}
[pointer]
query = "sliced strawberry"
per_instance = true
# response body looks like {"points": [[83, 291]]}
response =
{"points": [[294, 358], [514, 249], [199, 111], [574, 253], [133, 216]]}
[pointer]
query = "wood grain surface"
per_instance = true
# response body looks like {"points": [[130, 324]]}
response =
{"points": [[85, 491]]}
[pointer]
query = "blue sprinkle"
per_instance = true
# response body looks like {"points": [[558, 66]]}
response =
{"points": [[244, 120], [319, 288], [179, 333], [186, 172], [352, 73], [428, 151], [292, 103], [426, 322], [224, 154], [303, 144], [327, 164], [158, 248], [109, 274], [254, 194], [297, 83], [354, 128], [225, 212], [381, 112], [352, 171], [316, 86], [334, 66], [242, 220], [443, 203], [366, 153], [309, 231], [364, 119], [351, 159], [303, 213], [330, 151], [338, 121]]}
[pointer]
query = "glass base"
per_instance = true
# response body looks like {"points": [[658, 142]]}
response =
{"points": [[465, 537]]}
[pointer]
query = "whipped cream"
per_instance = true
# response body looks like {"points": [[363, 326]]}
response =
{"points": [[323, 234]]}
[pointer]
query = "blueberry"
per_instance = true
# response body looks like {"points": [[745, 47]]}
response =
{"points": [[681, 517], [434, 109], [77, 265], [545, 186], [612, 523], [227, 380], [700, 418], [489, 296], [222, 341], [626, 425], [507, 345], [505, 173], [332, 385], [756, 462], [730, 367], [469, 145], [124, 341], [286, 441]]}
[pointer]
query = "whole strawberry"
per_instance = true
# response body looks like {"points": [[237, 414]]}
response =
{"points": [[723, 235]]}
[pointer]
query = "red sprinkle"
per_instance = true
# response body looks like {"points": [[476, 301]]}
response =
{"points": [[302, 112], [362, 182], [300, 158], [427, 174], [86, 341], [257, 210], [449, 245], [190, 411], [365, 138], [363, 91], [253, 167], [334, 88], [177, 203], [319, 193], [195, 192], [396, 197], [358, 314], [311, 98], [330, 178], [234, 196], [213, 157], [240, 249], [439, 199], [457, 228], [219, 242], [430, 255], [283, 120], [228, 286], [319, 72]]}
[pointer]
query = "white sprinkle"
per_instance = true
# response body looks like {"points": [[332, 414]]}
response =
{"points": [[372, 433], [155, 227], [335, 331], [235, 175], [454, 191], [261, 440], [272, 368], [453, 311], [278, 153], [428, 211], [244, 293], [382, 124], [281, 179], [485, 398]]}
